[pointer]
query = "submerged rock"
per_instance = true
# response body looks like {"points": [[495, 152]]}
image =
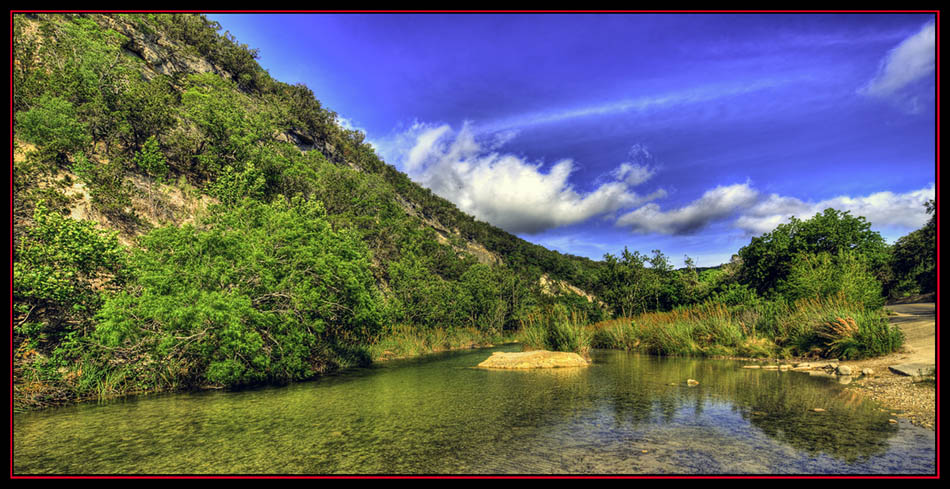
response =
{"points": [[534, 359]]}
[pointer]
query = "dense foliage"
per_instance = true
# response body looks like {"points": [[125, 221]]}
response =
{"points": [[915, 259], [768, 260], [259, 292]]}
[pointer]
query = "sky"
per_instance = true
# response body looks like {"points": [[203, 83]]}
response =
{"points": [[589, 133]]}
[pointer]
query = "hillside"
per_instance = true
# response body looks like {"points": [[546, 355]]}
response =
{"points": [[155, 132]]}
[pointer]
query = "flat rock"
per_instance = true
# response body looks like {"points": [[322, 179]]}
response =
{"points": [[534, 359], [912, 369]]}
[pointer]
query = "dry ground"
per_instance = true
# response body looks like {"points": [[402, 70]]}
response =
{"points": [[907, 397]]}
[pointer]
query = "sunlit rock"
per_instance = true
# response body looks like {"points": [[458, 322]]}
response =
{"points": [[534, 359]]}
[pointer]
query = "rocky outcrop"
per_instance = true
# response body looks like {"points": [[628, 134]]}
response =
{"points": [[551, 286], [534, 359], [160, 54]]}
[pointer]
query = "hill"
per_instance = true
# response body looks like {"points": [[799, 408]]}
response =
{"points": [[174, 205]]}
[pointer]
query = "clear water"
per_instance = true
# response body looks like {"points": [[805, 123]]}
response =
{"points": [[626, 414]]}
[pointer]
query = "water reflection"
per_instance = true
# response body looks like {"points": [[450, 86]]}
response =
{"points": [[627, 414]]}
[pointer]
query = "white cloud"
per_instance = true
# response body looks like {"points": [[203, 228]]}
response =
{"points": [[757, 214], [639, 170], [715, 205], [505, 189], [881, 209], [912, 60]]}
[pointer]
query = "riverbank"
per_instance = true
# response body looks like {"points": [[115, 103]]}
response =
{"points": [[910, 397]]}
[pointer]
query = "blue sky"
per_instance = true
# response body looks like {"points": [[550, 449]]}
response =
{"points": [[687, 133]]}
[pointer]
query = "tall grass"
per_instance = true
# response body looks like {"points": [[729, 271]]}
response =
{"points": [[556, 329], [819, 327], [401, 341]]}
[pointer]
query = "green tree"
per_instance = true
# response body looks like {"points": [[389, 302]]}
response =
{"points": [[767, 259], [151, 160], [53, 126], [826, 275], [914, 259], [622, 283]]}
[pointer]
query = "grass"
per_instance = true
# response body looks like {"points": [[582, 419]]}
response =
{"points": [[556, 329], [818, 327], [402, 341]]}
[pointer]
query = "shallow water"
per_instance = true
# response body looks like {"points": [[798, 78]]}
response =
{"points": [[626, 414]]}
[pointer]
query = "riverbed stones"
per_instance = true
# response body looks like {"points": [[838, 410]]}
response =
{"points": [[692, 382], [534, 359], [843, 370]]}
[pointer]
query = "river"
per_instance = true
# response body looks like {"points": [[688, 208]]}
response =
{"points": [[625, 414]]}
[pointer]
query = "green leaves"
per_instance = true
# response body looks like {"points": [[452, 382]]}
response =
{"points": [[767, 260], [60, 267], [151, 160], [53, 126], [824, 275], [252, 295], [914, 259]]}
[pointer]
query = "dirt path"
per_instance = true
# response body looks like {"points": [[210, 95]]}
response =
{"points": [[917, 321], [909, 397]]}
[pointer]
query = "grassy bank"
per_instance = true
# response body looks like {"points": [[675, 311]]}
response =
{"points": [[405, 341], [831, 327]]}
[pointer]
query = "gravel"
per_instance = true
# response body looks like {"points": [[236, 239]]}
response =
{"points": [[906, 397]]}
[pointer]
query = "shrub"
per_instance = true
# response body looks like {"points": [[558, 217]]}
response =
{"points": [[259, 293], [826, 275], [60, 268], [53, 126]]}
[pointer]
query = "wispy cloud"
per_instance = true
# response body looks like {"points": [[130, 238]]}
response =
{"points": [[505, 189], [644, 103], [912, 60]]}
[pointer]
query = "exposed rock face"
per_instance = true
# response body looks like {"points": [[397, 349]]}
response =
{"points": [[534, 359], [550, 286], [160, 54]]}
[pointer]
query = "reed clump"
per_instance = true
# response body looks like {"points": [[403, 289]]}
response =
{"points": [[832, 326], [556, 329]]}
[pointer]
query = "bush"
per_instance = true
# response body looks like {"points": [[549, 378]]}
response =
{"points": [[826, 275], [259, 293], [60, 268], [53, 126]]}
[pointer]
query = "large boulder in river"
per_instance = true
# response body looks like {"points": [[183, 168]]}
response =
{"points": [[534, 359]]}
